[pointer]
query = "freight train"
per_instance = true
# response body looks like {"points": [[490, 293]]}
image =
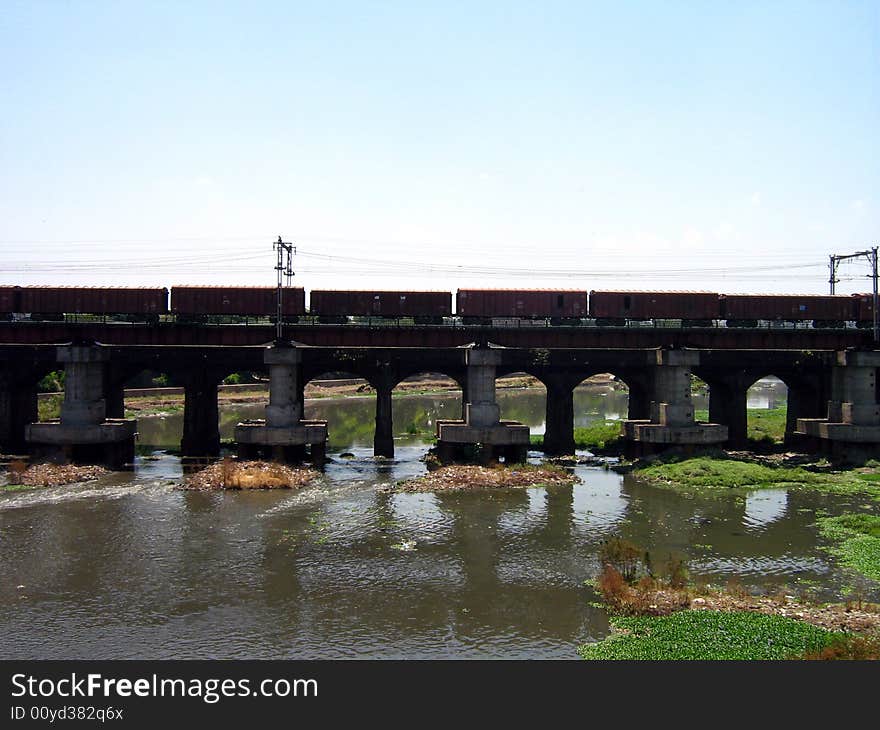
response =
{"points": [[472, 306]]}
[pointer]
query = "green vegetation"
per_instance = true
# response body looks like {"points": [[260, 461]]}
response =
{"points": [[858, 541], [52, 383], [232, 379], [767, 425], [738, 635], [601, 436], [714, 474], [705, 471]]}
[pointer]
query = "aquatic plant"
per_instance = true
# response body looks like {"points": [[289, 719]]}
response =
{"points": [[696, 635]]}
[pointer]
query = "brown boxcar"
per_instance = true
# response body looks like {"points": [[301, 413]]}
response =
{"points": [[787, 307], [563, 303], [9, 299], [236, 300], [863, 308], [92, 300], [619, 305], [334, 303]]}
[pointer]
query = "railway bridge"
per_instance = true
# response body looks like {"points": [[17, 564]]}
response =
{"points": [[830, 374]]}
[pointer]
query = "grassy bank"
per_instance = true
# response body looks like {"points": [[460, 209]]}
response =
{"points": [[739, 635], [717, 474]]}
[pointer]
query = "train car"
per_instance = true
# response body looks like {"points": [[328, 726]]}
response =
{"points": [[863, 310], [193, 302], [746, 310], [53, 302], [560, 305], [423, 306], [694, 308], [8, 301]]}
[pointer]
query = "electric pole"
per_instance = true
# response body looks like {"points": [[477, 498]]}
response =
{"points": [[871, 256], [283, 269]]}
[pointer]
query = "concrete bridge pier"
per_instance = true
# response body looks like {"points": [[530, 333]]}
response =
{"points": [[671, 422], [283, 435], [201, 428], [852, 426], [18, 408], [559, 418], [482, 426], [84, 433], [383, 439], [728, 400]]}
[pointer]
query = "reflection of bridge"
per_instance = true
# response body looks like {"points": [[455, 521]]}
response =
{"points": [[655, 363]]}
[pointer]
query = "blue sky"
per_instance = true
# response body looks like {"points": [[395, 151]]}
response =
{"points": [[670, 145]]}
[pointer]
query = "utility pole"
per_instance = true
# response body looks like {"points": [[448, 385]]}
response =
{"points": [[283, 269], [871, 256]]}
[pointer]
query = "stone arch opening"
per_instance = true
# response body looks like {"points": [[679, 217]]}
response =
{"points": [[419, 400], [700, 390], [767, 410], [522, 397], [347, 401]]}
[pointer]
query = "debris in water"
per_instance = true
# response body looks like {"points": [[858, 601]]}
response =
{"points": [[461, 477], [231, 474], [52, 475]]}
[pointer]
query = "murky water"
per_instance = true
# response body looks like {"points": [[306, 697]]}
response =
{"points": [[129, 566]]}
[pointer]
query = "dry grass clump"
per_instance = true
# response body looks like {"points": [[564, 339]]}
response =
{"points": [[51, 475], [231, 474], [461, 477]]}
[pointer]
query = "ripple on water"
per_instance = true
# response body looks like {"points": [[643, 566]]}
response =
{"points": [[756, 566]]}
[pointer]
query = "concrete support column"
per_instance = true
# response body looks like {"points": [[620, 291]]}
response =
{"points": [[671, 393], [83, 433], [481, 410], [851, 429], [84, 403], [18, 408], [728, 406], [804, 401], [201, 428], [854, 389], [283, 435], [639, 406], [559, 428], [285, 407], [383, 440], [482, 425], [114, 393], [671, 421]]}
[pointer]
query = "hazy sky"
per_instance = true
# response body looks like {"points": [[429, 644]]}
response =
{"points": [[670, 145]]}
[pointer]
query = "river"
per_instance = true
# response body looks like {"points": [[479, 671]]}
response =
{"points": [[132, 567]]}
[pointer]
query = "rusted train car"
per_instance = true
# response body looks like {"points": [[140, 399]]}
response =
{"points": [[557, 304], [617, 307], [337, 305], [244, 301]]}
